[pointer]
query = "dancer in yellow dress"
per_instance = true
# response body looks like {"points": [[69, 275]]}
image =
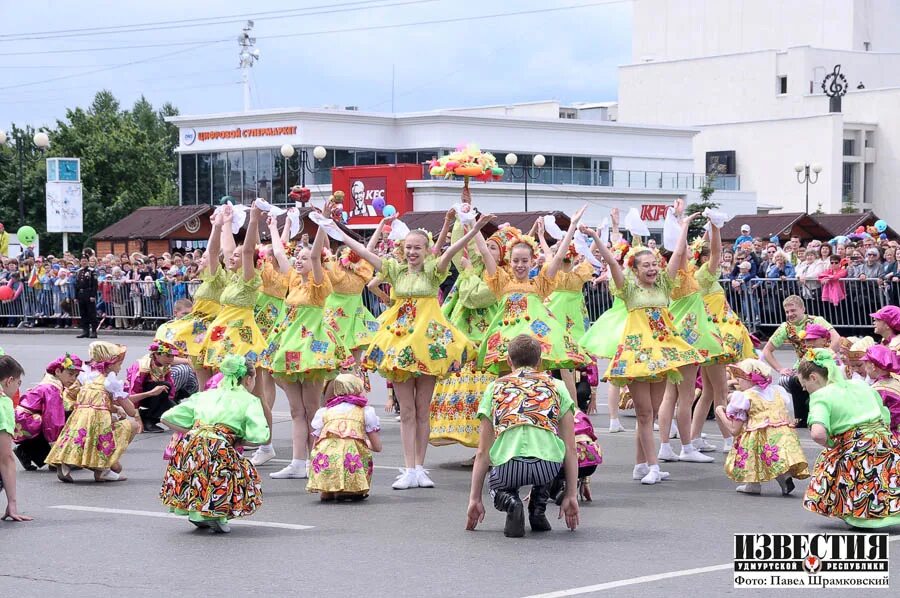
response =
{"points": [[416, 344], [766, 446], [651, 350], [188, 333], [98, 432]]}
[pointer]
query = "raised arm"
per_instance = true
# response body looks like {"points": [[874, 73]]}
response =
{"points": [[248, 251], [490, 264], [563, 247], [449, 217], [542, 236], [679, 253], [228, 243], [315, 256], [715, 247], [278, 246], [285, 231], [214, 245], [365, 253], [444, 261], [614, 235], [615, 270], [376, 236]]}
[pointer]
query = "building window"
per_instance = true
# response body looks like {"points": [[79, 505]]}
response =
{"points": [[406, 158], [188, 179], [581, 170], [343, 157], [385, 158], [219, 176], [279, 191], [365, 158], [323, 168], [204, 178], [867, 46], [235, 183], [849, 183], [264, 174], [781, 85], [849, 147], [562, 169], [249, 184]]}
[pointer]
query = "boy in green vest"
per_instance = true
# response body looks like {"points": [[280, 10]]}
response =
{"points": [[528, 435]]}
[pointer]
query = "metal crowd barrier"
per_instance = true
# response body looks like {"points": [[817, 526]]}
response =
{"points": [[758, 302]]}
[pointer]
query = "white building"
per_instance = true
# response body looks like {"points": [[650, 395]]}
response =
{"points": [[748, 74], [589, 158]]}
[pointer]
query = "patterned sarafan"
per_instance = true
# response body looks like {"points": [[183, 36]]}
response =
{"points": [[526, 398]]}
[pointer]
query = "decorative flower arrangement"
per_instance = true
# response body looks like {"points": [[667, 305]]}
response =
{"points": [[467, 162]]}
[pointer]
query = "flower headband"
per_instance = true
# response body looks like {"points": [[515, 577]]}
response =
{"points": [[66, 362], [824, 358], [571, 254], [697, 246], [429, 240], [349, 259], [520, 239], [164, 348]]}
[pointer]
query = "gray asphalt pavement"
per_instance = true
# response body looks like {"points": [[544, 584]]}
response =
{"points": [[673, 539]]}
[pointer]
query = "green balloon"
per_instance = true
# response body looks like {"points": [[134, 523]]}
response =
{"points": [[27, 235]]}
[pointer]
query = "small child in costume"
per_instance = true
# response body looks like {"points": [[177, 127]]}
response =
{"points": [[766, 447], [882, 366], [11, 373], [528, 435], [347, 431], [40, 414], [206, 479], [212, 383], [150, 384]]}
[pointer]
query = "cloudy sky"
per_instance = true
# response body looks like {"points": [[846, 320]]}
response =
{"points": [[458, 54]]}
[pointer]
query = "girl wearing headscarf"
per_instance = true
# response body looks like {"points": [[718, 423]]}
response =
{"points": [[855, 477], [882, 367], [347, 432], [40, 414], [99, 430], [206, 479]]}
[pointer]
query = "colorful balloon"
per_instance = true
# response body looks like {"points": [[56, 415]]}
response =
{"points": [[860, 230], [389, 211], [378, 204], [6, 293], [881, 226], [27, 235]]}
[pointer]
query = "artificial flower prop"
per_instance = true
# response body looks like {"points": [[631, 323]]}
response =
{"points": [[300, 194], [467, 162]]}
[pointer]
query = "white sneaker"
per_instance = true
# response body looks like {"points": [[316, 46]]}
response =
{"points": [[704, 446], [397, 418], [406, 479], [639, 472], [615, 427], [655, 427], [666, 453], [422, 478], [289, 473], [750, 488], [652, 477], [692, 455], [262, 456], [726, 448]]}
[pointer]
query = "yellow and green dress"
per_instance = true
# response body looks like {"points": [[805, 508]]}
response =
{"points": [[270, 300], [651, 348], [93, 437], [206, 478], [768, 446], [306, 345], [344, 306], [234, 331], [340, 459], [856, 477], [602, 338], [188, 332], [567, 301], [453, 411], [692, 321], [734, 336], [414, 337], [522, 311]]}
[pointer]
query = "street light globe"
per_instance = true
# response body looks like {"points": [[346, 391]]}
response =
{"points": [[2, 137], [511, 159], [539, 160], [319, 152], [41, 140], [287, 150], [817, 168], [798, 167]]}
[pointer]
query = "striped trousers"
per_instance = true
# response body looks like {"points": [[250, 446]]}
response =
{"points": [[523, 471]]}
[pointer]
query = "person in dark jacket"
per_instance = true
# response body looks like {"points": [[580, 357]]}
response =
{"points": [[86, 294]]}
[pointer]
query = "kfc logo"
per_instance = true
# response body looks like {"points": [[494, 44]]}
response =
{"points": [[367, 196]]}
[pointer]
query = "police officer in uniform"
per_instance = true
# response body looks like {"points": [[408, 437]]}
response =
{"points": [[86, 294]]}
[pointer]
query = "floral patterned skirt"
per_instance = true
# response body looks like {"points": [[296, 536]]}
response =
{"points": [[454, 406], [91, 439], [858, 478], [267, 313], [414, 339], [340, 465], [206, 476], [735, 337], [603, 337], [651, 349], [306, 346], [695, 325], [568, 307], [525, 313], [188, 333], [355, 323], [233, 332], [764, 454]]}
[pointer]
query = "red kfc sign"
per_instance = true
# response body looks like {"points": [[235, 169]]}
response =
{"points": [[653, 212], [369, 189], [367, 196]]}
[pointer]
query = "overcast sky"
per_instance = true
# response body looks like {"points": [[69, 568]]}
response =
{"points": [[570, 55]]}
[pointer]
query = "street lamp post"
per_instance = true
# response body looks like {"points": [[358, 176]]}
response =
{"points": [[804, 178], [528, 172], [288, 151], [40, 142]]}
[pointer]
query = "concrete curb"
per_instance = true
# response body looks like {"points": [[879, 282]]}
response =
{"points": [[75, 331]]}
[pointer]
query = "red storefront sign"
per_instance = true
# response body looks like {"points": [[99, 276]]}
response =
{"points": [[368, 189], [653, 212]]}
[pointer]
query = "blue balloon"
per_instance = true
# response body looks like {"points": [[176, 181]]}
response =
{"points": [[881, 226], [389, 211], [378, 204], [345, 216]]}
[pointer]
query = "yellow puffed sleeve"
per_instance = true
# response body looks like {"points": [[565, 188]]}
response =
{"points": [[497, 282]]}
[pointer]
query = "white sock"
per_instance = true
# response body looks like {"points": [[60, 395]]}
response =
{"points": [[688, 448], [298, 463], [664, 445], [697, 443], [728, 442], [641, 466], [267, 448], [613, 421], [655, 467]]}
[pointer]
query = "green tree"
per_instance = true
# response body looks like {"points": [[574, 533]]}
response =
{"points": [[127, 161], [706, 191]]}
